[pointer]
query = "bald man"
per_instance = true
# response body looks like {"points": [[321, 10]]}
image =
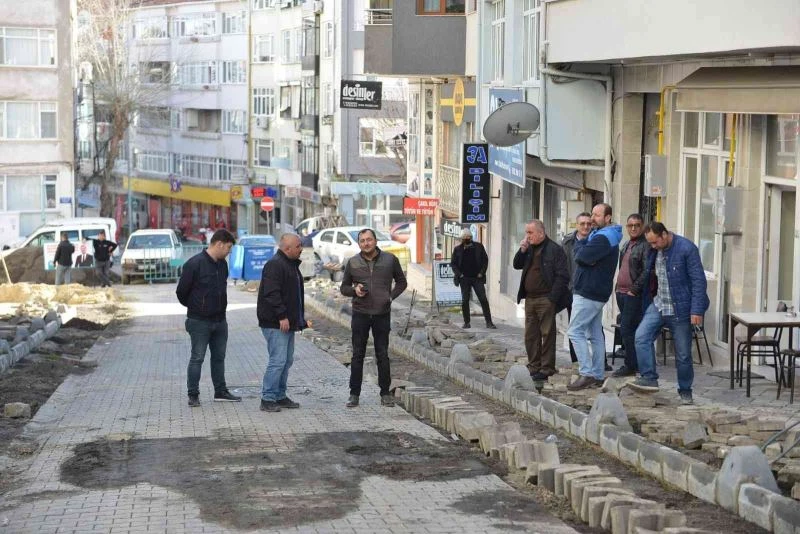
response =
{"points": [[281, 313]]}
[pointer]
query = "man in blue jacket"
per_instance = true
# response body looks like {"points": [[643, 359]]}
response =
{"points": [[676, 298], [595, 264]]}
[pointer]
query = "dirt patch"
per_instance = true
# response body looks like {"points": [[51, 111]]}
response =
{"points": [[699, 514], [27, 265], [317, 479]]}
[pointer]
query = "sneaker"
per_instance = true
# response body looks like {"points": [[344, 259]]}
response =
{"points": [[491, 326], [226, 396], [387, 400], [584, 382], [686, 397], [539, 377], [194, 401], [286, 402], [623, 371], [644, 384], [352, 401], [269, 406], [466, 325]]}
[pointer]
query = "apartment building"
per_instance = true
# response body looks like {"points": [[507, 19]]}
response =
{"points": [[36, 115]]}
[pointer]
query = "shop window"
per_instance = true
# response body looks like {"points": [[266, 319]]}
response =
{"points": [[782, 145]]}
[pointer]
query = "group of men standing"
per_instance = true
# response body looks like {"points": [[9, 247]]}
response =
{"points": [[64, 260], [661, 283]]}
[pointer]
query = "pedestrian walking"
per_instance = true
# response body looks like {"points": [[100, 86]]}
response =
{"points": [[63, 260], [596, 259], [103, 249], [469, 264], [368, 278], [676, 298], [543, 285], [630, 284], [281, 313], [583, 227], [203, 288]]}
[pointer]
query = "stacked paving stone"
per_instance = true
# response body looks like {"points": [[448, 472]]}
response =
{"points": [[19, 335]]}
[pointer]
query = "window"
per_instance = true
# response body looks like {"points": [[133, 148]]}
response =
{"points": [[198, 167], [28, 120], [29, 47], [328, 99], [299, 46], [327, 237], [231, 169], [262, 152], [264, 49], [263, 4], [150, 28], [309, 95], [202, 73], [373, 135], [233, 122], [194, 25], [154, 117], [286, 52], [152, 161], [156, 72], [308, 161], [439, 7], [330, 161], [84, 149], [530, 47], [175, 119], [328, 43], [233, 72], [263, 101], [782, 145], [234, 22], [28, 193], [342, 239], [49, 184], [498, 38], [286, 102]]}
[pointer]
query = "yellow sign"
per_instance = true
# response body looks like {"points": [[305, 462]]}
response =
{"points": [[236, 192], [161, 188], [458, 102]]}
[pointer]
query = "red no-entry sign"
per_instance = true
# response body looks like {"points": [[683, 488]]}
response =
{"points": [[267, 204]]}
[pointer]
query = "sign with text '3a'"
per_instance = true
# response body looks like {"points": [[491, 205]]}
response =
{"points": [[420, 205], [475, 183]]}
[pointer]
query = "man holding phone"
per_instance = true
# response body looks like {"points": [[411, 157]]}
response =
{"points": [[368, 278]]}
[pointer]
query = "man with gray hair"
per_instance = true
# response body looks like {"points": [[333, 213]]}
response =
{"points": [[281, 313], [469, 264]]}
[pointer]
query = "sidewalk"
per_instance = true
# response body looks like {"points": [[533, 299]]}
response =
{"points": [[118, 450]]}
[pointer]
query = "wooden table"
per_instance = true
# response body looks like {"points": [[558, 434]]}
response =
{"points": [[754, 322]]}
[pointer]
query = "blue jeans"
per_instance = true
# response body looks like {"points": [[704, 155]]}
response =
{"points": [[204, 335], [586, 328], [63, 274], [649, 330], [280, 346]]}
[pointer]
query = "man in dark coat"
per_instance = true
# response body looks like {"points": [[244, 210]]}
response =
{"points": [[545, 276], [63, 260], [469, 264]]}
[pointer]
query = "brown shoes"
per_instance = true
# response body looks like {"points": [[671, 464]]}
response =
{"points": [[584, 382]]}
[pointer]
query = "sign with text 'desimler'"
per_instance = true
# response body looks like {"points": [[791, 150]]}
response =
{"points": [[475, 183], [358, 94]]}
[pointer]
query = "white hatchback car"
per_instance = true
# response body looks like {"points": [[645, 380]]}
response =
{"points": [[340, 244]]}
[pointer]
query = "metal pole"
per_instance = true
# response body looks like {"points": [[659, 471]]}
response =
{"points": [[432, 251], [130, 196]]}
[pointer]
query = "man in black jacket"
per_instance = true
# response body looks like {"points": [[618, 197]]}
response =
{"points": [[545, 276], [630, 284], [103, 248], [203, 289], [63, 260], [368, 278], [281, 313], [469, 265]]}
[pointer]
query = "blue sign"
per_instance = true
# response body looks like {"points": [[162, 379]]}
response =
{"points": [[475, 183], [507, 162], [65, 200]]}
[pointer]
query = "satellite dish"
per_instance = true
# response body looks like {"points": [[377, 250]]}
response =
{"points": [[511, 124]]}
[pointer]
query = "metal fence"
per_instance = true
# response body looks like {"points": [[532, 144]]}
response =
{"points": [[154, 264]]}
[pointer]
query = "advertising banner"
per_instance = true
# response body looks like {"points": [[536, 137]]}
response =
{"points": [[447, 293], [358, 94], [475, 183]]}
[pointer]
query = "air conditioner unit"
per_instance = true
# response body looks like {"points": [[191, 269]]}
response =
{"points": [[318, 6], [262, 122]]}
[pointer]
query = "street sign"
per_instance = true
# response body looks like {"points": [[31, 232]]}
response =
{"points": [[267, 204], [420, 205], [358, 94], [475, 182]]}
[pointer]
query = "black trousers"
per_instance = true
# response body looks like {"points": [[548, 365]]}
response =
{"points": [[381, 325], [467, 284], [631, 313]]}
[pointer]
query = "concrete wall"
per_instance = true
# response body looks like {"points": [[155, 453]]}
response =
{"points": [[587, 30], [426, 44]]}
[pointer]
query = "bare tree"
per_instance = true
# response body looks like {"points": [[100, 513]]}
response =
{"points": [[120, 87]]}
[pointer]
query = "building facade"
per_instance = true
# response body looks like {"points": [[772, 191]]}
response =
{"points": [[36, 115]]}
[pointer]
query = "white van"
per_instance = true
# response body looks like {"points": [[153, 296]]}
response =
{"points": [[77, 229]]}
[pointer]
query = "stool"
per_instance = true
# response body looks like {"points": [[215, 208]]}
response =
{"points": [[617, 342], [789, 356], [697, 332]]}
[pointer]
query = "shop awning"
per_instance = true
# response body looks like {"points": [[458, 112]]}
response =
{"points": [[161, 188], [758, 90]]}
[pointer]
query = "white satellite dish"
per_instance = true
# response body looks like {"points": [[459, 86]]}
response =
{"points": [[511, 124]]}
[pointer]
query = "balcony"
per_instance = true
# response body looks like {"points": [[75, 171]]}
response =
{"points": [[631, 29], [448, 188], [310, 62], [309, 124], [399, 42]]}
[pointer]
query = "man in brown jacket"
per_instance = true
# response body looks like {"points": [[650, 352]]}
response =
{"points": [[368, 278]]}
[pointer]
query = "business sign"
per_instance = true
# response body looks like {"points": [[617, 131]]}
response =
{"points": [[450, 228], [420, 206], [446, 291], [357, 94], [457, 102], [475, 183], [507, 162]]}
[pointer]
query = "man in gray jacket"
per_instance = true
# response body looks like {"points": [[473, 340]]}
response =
{"points": [[583, 226], [368, 278]]}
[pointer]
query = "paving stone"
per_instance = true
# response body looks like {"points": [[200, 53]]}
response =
{"points": [[609, 439], [655, 520], [675, 468], [619, 509], [17, 410], [607, 409], [593, 501], [650, 458], [743, 464], [590, 472], [525, 453], [629, 444], [461, 354], [789, 474], [546, 452], [756, 505], [740, 441], [694, 435], [577, 487], [785, 516], [518, 377], [771, 424], [702, 482], [547, 474], [559, 475], [672, 530]]}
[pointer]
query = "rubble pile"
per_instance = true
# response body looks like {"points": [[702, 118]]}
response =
{"points": [[27, 265]]}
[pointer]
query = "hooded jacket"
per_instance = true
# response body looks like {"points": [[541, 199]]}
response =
{"points": [[596, 259]]}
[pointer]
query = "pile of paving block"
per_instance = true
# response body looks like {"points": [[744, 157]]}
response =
{"points": [[19, 335], [596, 496]]}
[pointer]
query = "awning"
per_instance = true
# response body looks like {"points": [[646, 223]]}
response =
{"points": [[161, 188], [759, 90]]}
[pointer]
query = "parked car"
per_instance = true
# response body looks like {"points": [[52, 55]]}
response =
{"points": [[311, 226], [340, 244], [154, 255], [401, 232]]}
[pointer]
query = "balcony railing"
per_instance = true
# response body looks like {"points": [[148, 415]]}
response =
{"points": [[378, 17], [448, 187]]}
